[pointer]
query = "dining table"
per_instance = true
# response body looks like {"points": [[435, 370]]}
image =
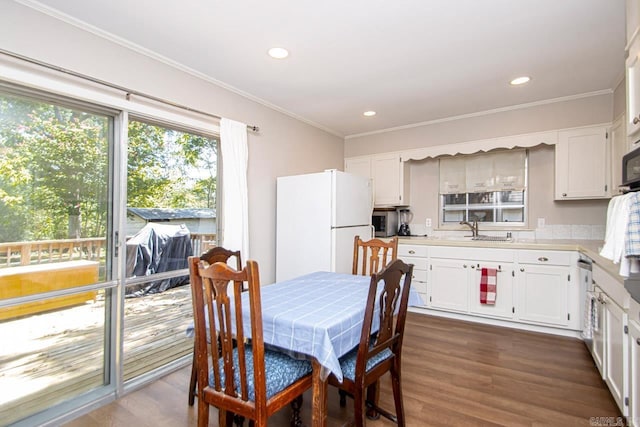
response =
{"points": [[318, 316]]}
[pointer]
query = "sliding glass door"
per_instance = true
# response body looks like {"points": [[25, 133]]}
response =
{"points": [[55, 254], [98, 214]]}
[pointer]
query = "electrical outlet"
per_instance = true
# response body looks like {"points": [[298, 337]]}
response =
{"points": [[540, 222], [427, 223]]}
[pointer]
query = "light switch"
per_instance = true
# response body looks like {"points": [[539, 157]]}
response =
{"points": [[427, 223]]}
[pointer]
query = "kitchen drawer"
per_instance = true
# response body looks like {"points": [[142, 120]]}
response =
{"points": [[472, 254], [412, 251], [420, 287], [614, 287], [418, 263], [419, 276], [546, 257]]}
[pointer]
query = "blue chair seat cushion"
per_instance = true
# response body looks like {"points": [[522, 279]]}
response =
{"points": [[280, 371], [348, 362]]}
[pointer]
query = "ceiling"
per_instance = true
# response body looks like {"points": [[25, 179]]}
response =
{"points": [[411, 61]]}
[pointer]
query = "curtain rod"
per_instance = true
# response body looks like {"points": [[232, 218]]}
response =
{"points": [[128, 91]]}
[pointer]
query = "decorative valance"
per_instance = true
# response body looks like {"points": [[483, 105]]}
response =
{"points": [[471, 147]]}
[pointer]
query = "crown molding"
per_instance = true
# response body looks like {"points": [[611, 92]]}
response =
{"points": [[484, 113]]}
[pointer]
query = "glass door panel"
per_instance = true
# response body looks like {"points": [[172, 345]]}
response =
{"points": [[171, 199], [55, 297]]}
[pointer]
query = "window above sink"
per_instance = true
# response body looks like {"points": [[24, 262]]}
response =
{"points": [[488, 188]]}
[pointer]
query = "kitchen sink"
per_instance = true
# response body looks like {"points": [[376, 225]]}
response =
{"points": [[493, 238]]}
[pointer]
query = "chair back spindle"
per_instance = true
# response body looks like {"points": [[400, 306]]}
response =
{"points": [[376, 254]]}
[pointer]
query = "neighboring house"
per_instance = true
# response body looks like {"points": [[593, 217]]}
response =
{"points": [[196, 220]]}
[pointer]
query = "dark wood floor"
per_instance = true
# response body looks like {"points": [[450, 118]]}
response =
{"points": [[454, 374]]}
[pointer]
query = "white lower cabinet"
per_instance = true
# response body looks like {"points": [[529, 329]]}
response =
{"points": [[616, 358], [455, 275], [449, 281], [634, 374], [542, 294], [504, 305]]}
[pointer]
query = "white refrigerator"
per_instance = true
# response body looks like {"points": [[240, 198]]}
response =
{"points": [[318, 216]]}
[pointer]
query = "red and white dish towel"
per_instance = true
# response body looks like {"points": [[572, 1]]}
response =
{"points": [[488, 285]]}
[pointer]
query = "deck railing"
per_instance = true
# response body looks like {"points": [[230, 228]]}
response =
{"points": [[46, 251]]}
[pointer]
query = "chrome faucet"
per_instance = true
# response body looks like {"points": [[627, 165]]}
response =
{"points": [[473, 227]]}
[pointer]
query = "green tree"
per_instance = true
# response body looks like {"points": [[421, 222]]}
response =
{"points": [[54, 170]]}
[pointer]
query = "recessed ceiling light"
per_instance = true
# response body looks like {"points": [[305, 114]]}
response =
{"points": [[369, 113], [278, 52], [520, 80]]}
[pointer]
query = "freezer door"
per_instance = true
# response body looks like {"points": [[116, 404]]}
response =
{"points": [[342, 246], [352, 202]]}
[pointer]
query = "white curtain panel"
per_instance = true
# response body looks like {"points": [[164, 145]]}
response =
{"points": [[235, 205]]}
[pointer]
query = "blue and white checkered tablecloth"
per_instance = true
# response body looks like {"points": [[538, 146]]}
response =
{"points": [[319, 314]]}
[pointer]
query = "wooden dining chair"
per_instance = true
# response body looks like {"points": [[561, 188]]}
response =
{"points": [[378, 352], [244, 380], [213, 255], [375, 255]]}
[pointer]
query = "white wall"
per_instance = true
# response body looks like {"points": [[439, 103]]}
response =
{"points": [[284, 146], [424, 174]]}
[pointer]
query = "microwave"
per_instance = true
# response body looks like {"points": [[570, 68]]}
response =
{"points": [[631, 169], [385, 222]]}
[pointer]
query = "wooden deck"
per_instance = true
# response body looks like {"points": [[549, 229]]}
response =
{"points": [[50, 357]]}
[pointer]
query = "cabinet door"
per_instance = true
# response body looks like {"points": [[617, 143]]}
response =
{"points": [[582, 158], [633, 89], [503, 308], [360, 166], [388, 179], [634, 374], [449, 284], [619, 147], [616, 350], [542, 294]]}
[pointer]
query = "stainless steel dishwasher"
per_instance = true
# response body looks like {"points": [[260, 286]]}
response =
{"points": [[590, 321]]}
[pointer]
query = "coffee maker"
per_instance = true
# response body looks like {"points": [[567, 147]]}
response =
{"points": [[404, 217]]}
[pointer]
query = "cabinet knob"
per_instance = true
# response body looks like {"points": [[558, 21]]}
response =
{"points": [[635, 120], [521, 268], [564, 194], [543, 259], [464, 265], [473, 266], [412, 252]]}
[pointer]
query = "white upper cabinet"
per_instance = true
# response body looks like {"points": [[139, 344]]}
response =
{"points": [[633, 89], [619, 147], [389, 174], [582, 164], [359, 165]]}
